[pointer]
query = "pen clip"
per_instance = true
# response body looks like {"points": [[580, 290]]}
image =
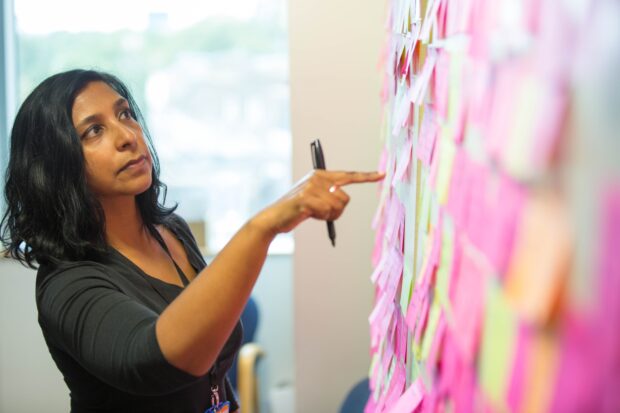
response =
{"points": [[318, 161]]}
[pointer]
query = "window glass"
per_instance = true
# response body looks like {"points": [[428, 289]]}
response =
{"points": [[211, 79]]}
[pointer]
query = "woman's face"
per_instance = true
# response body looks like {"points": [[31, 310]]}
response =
{"points": [[118, 162]]}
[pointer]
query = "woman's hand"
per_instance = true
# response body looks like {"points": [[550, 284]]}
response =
{"points": [[318, 195]]}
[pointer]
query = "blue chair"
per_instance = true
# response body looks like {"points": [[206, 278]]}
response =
{"points": [[356, 398]]}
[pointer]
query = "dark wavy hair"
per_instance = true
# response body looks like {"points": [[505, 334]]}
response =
{"points": [[51, 214]]}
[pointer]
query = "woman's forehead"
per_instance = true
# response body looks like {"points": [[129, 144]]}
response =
{"points": [[96, 97]]}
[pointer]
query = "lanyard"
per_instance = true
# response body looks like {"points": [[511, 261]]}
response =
{"points": [[161, 242]]}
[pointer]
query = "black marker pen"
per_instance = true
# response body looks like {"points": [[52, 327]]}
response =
{"points": [[318, 161]]}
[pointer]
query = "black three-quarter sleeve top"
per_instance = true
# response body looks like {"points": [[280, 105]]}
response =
{"points": [[98, 320]]}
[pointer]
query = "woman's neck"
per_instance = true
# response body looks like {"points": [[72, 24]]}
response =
{"points": [[124, 227]]}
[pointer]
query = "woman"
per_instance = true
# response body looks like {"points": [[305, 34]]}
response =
{"points": [[131, 314]]}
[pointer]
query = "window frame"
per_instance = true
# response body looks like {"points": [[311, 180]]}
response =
{"points": [[8, 90]]}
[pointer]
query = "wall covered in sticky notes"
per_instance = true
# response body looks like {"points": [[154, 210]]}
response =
{"points": [[497, 252]]}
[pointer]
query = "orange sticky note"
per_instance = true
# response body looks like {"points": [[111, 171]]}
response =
{"points": [[541, 258]]}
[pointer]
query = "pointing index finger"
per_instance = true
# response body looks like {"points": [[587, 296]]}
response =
{"points": [[342, 178]]}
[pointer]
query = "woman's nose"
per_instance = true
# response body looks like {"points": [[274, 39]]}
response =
{"points": [[126, 137]]}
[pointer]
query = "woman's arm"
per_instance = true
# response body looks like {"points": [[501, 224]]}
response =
{"points": [[194, 327]]}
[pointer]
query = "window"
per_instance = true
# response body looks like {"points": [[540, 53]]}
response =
{"points": [[211, 79]]}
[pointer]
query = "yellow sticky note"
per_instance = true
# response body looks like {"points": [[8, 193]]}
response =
{"points": [[447, 151], [499, 334]]}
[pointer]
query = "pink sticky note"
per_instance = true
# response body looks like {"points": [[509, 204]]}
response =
{"points": [[437, 238], [394, 273], [460, 188], [401, 348], [480, 36], [383, 161], [433, 257], [579, 380], [374, 277], [441, 19], [464, 390], [390, 216], [477, 216], [402, 107], [412, 42], [431, 12], [436, 346], [468, 297], [609, 269], [516, 384], [403, 162], [501, 116], [410, 399], [432, 403], [422, 318], [588, 376], [451, 364], [479, 76], [549, 125], [371, 405], [397, 384], [428, 136], [441, 76], [421, 81], [414, 307], [417, 307], [379, 310], [504, 213], [432, 179], [374, 376], [387, 357], [378, 247]]}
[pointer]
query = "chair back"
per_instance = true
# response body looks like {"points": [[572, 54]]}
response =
{"points": [[357, 398], [249, 319]]}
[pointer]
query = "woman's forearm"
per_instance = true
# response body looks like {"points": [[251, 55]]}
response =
{"points": [[195, 326], [193, 329]]}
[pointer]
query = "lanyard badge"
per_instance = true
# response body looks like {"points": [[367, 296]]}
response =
{"points": [[216, 406]]}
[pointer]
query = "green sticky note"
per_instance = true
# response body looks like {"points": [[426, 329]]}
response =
{"points": [[442, 283], [431, 328], [499, 336], [447, 152], [408, 270], [407, 287]]}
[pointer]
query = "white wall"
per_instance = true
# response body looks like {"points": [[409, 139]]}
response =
{"points": [[29, 379], [335, 84]]}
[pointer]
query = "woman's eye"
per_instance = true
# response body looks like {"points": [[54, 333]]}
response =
{"points": [[126, 114], [92, 131]]}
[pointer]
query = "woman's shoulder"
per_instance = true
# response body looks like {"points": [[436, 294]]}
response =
{"points": [[67, 272], [181, 229], [60, 267], [176, 223]]}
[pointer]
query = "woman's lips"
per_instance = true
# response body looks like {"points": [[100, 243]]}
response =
{"points": [[133, 164]]}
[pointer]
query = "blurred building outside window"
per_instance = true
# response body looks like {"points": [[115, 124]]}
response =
{"points": [[211, 79]]}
